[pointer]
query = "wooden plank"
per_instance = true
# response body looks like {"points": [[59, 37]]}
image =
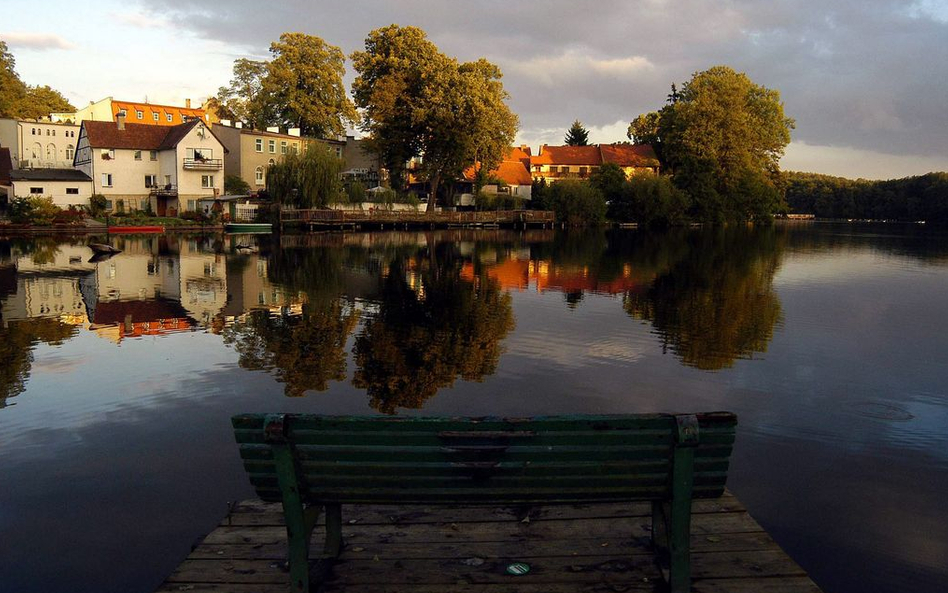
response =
{"points": [[711, 524], [613, 543], [261, 513]]}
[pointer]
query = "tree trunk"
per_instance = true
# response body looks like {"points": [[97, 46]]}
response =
{"points": [[433, 198]]}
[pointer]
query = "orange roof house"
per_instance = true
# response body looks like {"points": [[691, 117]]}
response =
{"points": [[553, 163], [156, 115]]}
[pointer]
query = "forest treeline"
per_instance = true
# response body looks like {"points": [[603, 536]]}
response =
{"points": [[924, 197]]}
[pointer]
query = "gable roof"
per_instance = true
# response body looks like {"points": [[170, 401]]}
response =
{"points": [[105, 134], [513, 170], [629, 155], [567, 155]]}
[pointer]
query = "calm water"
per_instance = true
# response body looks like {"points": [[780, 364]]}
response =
{"points": [[119, 377]]}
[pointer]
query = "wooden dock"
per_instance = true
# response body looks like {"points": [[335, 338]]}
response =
{"points": [[580, 548], [321, 219]]}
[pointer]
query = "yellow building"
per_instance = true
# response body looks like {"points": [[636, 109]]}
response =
{"points": [[152, 114]]}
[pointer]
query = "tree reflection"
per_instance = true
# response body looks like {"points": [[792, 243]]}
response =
{"points": [[304, 351], [17, 341], [431, 327], [717, 304]]}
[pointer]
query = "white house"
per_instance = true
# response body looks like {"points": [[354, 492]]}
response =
{"points": [[66, 187], [39, 144], [137, 166]]}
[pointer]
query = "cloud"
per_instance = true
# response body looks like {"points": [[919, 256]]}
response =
{"points": [[577, 64], [37, 41], [141, 20]]}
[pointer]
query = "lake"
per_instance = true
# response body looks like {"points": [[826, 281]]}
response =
{"points": [[119, 376]]}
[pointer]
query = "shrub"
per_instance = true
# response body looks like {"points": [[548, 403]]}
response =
{"points": [[195, 216], [234, 185], [33, 210], [97, 205], [650, 200], [577, 203]]}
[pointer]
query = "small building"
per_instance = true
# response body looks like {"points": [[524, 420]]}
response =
{"points": [[251, 152], [66, 187], [166, 169], [151, 114], [362, 165], [39, 144]]}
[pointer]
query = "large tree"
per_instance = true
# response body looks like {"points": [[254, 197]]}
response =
{"points": [[576, 135], [417, 101], [19, 100], [304, 84], [722, 137], [244, 100]]}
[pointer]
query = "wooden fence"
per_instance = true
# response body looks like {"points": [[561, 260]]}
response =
{"points": [[328, 217]]}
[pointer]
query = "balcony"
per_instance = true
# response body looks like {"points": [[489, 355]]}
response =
{"points": [[203, 164], [169, 190]]}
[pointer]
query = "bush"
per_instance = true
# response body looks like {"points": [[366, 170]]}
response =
{"points": [[355, 192], [650, 200], [97, 205], [234, 185], [577, 203], [33, 210], [71, 215], [497, 201], [195, 216]]}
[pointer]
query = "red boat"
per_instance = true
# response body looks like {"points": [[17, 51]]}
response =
{"points": [[136, 229]]}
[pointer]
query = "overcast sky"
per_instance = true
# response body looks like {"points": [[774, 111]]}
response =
{"points": [[866, 80]]}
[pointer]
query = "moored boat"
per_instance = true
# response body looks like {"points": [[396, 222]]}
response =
{"points": [[248, 227]]}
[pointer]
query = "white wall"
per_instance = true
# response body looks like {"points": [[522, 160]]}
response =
{"points": [[57, 191]]}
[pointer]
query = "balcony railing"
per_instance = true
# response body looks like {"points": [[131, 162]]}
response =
{"points": [[203, 164], [168, 190]]}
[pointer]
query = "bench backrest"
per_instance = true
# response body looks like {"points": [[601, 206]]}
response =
{"points": [[552, 459]]}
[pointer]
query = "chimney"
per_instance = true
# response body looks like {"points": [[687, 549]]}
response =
{"points": [[294, 132], [120, 120], [187, 103]]}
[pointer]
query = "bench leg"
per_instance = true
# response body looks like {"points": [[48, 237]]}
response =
{"points": [[299, 520], [679, 521], [333, 530]]}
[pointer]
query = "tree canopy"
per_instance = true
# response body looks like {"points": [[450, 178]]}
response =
{"points": [[576, 135], [722, 137], [416, 101], [301, 87], [309, 179], [19, 100]]}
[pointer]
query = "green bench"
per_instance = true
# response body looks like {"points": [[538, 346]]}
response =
{"points": [[311, 462]]}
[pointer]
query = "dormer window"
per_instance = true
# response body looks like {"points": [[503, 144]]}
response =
{"points": [[169, 116], [154, 116], [139, 113]]}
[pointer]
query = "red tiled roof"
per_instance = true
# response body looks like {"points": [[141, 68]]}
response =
{"points": [[567, 155], [629, 155], [130, 107], [105, 134], [511, 172]]}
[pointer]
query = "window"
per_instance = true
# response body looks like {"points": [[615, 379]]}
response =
{"points": [[151, 180], [338, 152], [258, 175], [207, 181], [36, 190], [154, 116], [168, 181], [120, 206], [106, 180], [200, 153], [47, 132], [554, 169], [139, 113], [32, 131], [37, 150], [70, 151], [54, 132], [582, 170], [72, 191], [273, 146], [50, 152], [271, 162], [108, 154], [153, 155], [138, 155], [191, 205], [283, 147], [169, 117], [258, 144]]}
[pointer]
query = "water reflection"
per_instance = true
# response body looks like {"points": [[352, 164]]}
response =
{"points": [[411, 312]]}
